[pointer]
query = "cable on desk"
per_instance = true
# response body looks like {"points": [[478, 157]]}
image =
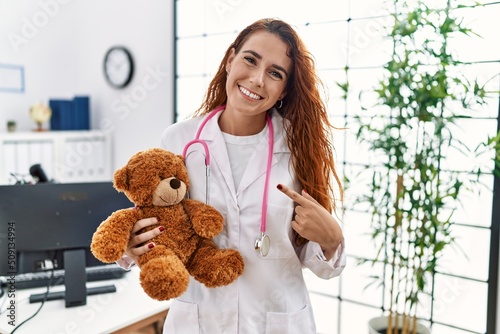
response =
{"points": [[3, 293], [49, 284]]}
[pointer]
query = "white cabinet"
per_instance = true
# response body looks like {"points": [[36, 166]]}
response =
{"points": [[65, 156]]}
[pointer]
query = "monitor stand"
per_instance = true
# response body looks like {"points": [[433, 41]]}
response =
{"points": [[75, 279]]}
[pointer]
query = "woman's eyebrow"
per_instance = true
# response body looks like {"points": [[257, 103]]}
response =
{"points": [[258, 56]]}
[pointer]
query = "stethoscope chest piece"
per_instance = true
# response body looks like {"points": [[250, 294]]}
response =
{"points": [[263, 244]]}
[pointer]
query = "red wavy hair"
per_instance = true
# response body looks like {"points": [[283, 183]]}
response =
{"points": [[306, 122]]}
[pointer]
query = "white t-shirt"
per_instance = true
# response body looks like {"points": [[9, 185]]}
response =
{"points": [[239, 151]]}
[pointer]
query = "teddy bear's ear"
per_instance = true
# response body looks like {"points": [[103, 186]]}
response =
{"points": [[180, 156], [121, 179]]}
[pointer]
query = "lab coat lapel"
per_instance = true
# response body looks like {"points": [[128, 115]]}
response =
{"points": [[257, 166], [219, 159]]}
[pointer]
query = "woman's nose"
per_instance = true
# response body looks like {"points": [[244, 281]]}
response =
{"points": [[257, 78]]}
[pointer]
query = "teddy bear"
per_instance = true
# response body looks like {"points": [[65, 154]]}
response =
{"points": [[156, 181]]}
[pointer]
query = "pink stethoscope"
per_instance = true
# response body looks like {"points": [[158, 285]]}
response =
{"points": [[263, 243]]}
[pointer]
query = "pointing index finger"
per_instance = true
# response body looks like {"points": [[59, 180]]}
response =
{"points": [[295, 196]]}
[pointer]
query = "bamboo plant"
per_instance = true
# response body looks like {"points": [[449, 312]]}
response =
{"points": [[412, 192]]}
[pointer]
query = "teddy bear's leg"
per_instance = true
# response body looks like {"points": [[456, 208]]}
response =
{"points": [[163, 275], [215, 267]]}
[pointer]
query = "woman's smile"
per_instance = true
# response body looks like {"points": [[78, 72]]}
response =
{"points": [[249, 94]]}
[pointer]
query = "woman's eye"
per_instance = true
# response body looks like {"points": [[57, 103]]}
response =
{"points": [[276, 75], [250, 60]]}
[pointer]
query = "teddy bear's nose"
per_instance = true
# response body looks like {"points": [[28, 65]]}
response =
{"points": [[175, 184]]}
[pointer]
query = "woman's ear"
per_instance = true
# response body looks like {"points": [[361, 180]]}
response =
{"points": [[230, 59]]}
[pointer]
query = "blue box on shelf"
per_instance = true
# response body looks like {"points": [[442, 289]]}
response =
{"points": [[61, 114], [81, 112], [70, 114]]}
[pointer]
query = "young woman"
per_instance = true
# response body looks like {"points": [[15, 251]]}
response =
{"points": [[273, 179]]}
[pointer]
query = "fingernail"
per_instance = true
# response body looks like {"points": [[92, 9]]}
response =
{"points": [[280, 186], [161, 228], [305, 191], [151, 245]]}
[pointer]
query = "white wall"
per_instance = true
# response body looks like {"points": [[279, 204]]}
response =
{"points": [[62, 43]]}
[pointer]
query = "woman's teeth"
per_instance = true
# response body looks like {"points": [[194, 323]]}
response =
{"points": [[249, 94]]}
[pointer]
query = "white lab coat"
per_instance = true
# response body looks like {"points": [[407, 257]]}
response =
{"points": [[270, 296]]}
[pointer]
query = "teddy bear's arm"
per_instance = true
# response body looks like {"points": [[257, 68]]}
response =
{"points": [[207, 221], [111, 237]]}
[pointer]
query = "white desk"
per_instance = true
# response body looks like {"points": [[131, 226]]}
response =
{"points": [[105, 313]]}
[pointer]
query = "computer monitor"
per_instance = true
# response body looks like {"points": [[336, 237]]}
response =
{"points": [[48, 224]]}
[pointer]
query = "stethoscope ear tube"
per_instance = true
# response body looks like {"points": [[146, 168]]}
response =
{"points": [[207, 184], [207, 168], [197, 140]]}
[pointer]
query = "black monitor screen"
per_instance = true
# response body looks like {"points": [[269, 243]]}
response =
{"points": [[41, 220]]}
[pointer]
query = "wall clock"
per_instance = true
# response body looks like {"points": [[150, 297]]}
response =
{"points": [[118, 66]]}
